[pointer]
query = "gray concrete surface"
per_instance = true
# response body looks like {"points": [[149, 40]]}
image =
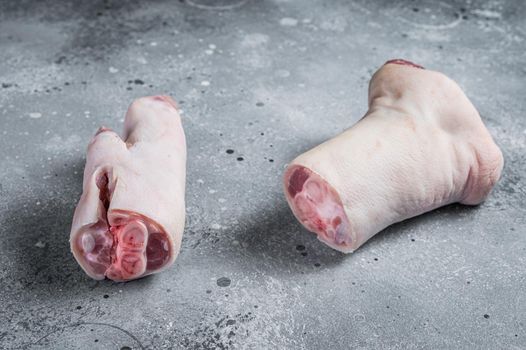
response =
{"points": [[267, 79]]}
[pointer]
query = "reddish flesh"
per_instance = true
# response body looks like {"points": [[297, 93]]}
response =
{"points": [[104, 196], [404, 63], [297, 180], [317, 205], [122, 251], [97, 250], [155, 249], [120, 254]]}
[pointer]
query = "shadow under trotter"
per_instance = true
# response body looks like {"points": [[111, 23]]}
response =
{"points": [[39, 234], [274, 234]]}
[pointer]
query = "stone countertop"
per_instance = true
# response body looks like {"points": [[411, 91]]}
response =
{"points": [[268, 80]]}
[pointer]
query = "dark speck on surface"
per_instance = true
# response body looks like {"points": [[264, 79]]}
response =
{"points": [[271, 160], [223, 282], [230, 322], [229, 151], [415, 9], [260, 104], [304, 253], [240, 158], [317, 264], [300, 247], [126, 348], [486, 316], [465, 17], [138, 82], [60, 59], [208, 291], [105, 296], [79, 307]]}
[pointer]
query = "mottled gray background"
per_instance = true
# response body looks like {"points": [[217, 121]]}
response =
{"points": [[267, 79]]}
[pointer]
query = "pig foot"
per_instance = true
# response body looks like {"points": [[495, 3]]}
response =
{"points": [[124, 245], [318, 207]]}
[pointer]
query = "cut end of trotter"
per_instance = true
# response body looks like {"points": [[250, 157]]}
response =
{"points": [[123, 252], [318, 207], [122, 245], [403, 62]]}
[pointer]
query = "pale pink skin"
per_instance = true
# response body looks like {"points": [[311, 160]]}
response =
{"points": [[420, 146], [130, 218]]}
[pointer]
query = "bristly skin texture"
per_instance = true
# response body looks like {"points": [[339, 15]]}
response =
{"points": [[130, 218], [421, 145]]}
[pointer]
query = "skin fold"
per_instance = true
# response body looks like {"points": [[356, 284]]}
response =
{"points": [[130, 218], [420, 146]]}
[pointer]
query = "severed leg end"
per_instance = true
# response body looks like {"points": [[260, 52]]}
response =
{"points": [[126, 251], [123, 245], [318, 207]]}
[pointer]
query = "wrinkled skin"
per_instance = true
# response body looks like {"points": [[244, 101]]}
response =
{"points": [[420, 146], [130, 218]]}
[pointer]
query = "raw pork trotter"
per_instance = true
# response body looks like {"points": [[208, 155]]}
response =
{"points": [[420, 146], [130, 219]]}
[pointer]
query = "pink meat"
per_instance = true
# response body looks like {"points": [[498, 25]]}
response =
{"points": [[420, 146], [130, 218]]}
